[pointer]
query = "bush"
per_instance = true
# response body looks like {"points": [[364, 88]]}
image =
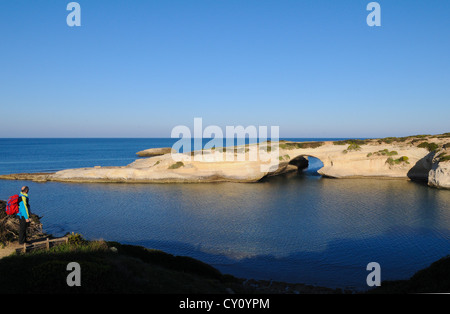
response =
{"points": [[176, 165], [388, 153], [357, 142], [353, 146], [443, 135], [443, 157], [430, 146], [301, 145], [384, 152], [76, 239], [391, 161], [310, 144], [389, 140]]}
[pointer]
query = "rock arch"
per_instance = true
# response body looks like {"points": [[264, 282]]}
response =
{"points": [[298, 163], [302, 161]]}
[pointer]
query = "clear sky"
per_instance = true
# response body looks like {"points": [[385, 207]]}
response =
{"points": [[138, 68]]}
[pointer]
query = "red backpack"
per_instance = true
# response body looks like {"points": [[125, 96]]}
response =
{"points": [[12, 207]]}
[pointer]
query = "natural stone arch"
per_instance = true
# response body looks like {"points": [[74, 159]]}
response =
{"points": [[302, 161]]}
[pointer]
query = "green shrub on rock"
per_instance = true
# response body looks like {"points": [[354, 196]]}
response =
{"points": [[391, 161], [430, 146], [176, 165]]}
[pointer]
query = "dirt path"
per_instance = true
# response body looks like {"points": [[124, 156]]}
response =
{"points": [[9, 249]]}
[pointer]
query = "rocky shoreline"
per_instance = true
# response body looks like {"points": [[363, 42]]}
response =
{"points": [[421, 157], [9, 227]]}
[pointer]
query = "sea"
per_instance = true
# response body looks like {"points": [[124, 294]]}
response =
{"points": [[297, 228]]}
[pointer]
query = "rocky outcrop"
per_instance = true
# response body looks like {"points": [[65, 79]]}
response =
{"points": [[36, 177], [439, 175], [9, 226], [151, 152], [414, 157]]}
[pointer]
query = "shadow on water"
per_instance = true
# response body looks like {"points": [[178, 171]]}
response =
{"points": [[307, 166], [341, 265]]}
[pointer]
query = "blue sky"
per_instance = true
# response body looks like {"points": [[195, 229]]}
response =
{"points": [[138, 68]]}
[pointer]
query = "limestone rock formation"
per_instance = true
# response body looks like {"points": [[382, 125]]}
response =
{"points": [[151, 152], [439, 175], [423, 157]]}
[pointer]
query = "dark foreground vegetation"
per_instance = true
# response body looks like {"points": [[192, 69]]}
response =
{"points": [[433, 279], [110, 267]]}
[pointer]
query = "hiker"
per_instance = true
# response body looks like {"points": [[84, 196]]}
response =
{"points": [[23, 214]]}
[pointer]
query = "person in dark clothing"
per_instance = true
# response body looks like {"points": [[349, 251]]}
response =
{"points": [[23, 214]]}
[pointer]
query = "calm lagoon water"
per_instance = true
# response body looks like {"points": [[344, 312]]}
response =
{"points": [[295, 228]]}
